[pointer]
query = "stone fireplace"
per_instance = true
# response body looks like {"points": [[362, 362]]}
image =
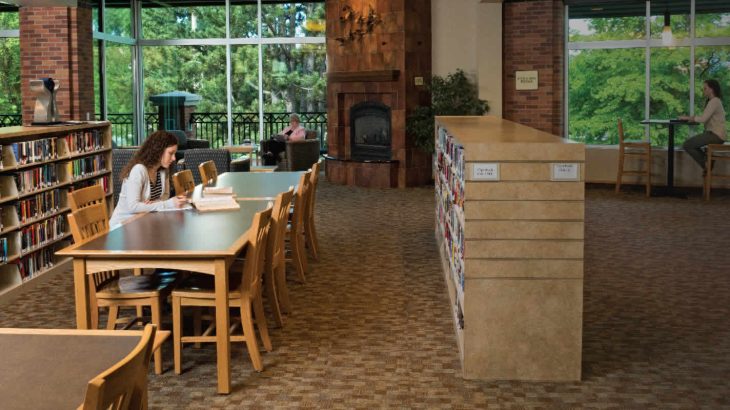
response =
{"points": [[371, 85], [370, 131]]}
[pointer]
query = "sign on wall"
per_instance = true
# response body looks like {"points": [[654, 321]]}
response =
{"points": [[526, 80], [485, 172]]}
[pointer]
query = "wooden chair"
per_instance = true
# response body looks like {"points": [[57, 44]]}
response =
{"points": [[245, 293], [641, 150], [715, 152], [124, 385], [92, 221], [310, 232], [183, 182], [296, 228], [275, 265], [208, 172]]}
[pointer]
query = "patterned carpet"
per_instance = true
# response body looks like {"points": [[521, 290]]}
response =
{"points": [[372, 329]]}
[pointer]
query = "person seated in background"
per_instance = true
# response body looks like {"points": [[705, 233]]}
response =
{"points": [[273, 147], [146, 179], [713, 117]]}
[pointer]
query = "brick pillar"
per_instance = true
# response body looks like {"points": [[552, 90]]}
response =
{"points": [[57, 42], [533, 40]]}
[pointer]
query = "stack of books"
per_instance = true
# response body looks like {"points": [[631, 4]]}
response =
{"points": [[216, 199]]}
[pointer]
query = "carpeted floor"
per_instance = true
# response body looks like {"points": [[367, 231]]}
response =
{"points": [[372, 328]]}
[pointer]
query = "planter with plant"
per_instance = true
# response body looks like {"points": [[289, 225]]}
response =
{"points": [[455, 94]]}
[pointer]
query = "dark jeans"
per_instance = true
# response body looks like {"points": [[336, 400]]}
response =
{"points": [[272, 148], [694, 146]]}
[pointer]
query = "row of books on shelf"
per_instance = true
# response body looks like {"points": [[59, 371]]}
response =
{"points": [[4, 249], [42, 232], [84, 141], [83, 167], [453, 150], [39, 205], [30, 265], [36, 178], [452, 231], [102, 180], [28, 152]]}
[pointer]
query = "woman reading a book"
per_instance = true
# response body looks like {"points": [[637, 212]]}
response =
{"points": [[276, 145], [146, 179], [713, 117]]}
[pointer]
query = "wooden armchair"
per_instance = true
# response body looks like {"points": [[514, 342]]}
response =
{"points": [[275, 265], [198, 291], [91, 221], [635, 149], [296, 227], [124, 385]]}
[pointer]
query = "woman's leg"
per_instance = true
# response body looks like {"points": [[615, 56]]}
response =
{"points": [[694, 145]]}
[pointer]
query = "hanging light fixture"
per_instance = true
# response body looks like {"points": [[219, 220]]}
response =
{"points": [[667, 37]]}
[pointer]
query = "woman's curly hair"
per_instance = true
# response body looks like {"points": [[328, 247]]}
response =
{"points": [[151, 151]]}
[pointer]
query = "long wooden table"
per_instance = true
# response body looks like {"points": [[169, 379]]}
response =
{"points": [[184, 240], [255, 186], [50, 368]]}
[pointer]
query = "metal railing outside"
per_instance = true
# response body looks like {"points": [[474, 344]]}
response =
{"points": [[9, 120]]}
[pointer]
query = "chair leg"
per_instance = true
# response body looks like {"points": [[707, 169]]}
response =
{"points": [[271, 293], [281, 288], [311, 238], [250, 334], [112, 317], [156, 311], [260, 316], [140, 313], [177, 333], [197, 324], [93, 304], [298, 256], [620, 171]]}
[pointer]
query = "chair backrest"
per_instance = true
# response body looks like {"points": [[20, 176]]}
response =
{"points": [[255, 252], [195, 157], [81, 198], [300, 203], [183, 182], [88, 222], [208, 172], [124, 385], [120, 158], [314, 179], [300, 155], [277, 232]]}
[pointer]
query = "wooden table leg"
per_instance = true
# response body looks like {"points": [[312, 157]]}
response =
{"points": [[222, 320], [81, 291]]}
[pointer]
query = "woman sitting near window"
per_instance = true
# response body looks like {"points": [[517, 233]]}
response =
{"points": [[273, 147]]}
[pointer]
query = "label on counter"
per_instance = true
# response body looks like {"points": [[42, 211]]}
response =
{"points": [[485, 172], [565, 172]]}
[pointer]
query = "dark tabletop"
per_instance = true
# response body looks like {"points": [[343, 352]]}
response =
{"points": [[177, 232], [256, 184], [52, 371]]}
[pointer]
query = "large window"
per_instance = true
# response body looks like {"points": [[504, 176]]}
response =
{"points": [[621, 66], [10, 106], [186, 47]]}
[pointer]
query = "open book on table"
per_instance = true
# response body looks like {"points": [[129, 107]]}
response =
{"points": [[216, 203], [222, 190]]}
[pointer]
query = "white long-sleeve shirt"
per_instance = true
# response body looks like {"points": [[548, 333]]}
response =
{"points": [[714, 117], [135, 191]]}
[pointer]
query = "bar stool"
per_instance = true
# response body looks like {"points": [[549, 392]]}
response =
{"points": [[715, 152], [641, 150]]}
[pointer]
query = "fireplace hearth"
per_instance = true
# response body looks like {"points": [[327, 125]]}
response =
{"points": [[370, 131]]}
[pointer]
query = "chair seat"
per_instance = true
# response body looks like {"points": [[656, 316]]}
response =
{"points": [[201, 286], [163, 284]]}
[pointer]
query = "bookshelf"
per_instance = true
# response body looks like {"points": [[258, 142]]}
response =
{"points": [[509, 224], [39, 166]]}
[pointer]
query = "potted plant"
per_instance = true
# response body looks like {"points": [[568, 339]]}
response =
{"points": [[455, 94]]}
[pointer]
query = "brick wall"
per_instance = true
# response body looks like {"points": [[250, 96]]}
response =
{"points": [[533, 40], [57, 42]]}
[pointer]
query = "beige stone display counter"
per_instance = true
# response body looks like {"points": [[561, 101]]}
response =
{"points": [[509, 221]]}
